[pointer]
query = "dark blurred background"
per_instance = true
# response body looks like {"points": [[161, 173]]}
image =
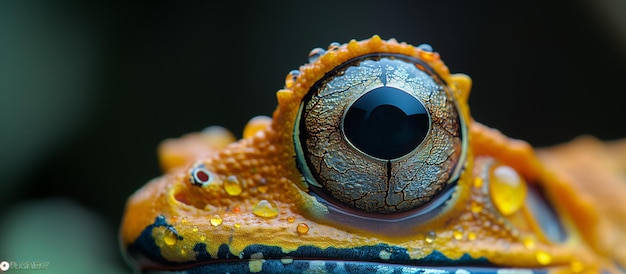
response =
{"points": [[89, 88]]}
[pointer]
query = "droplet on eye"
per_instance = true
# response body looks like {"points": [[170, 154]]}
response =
{"points": [[508, 190]]}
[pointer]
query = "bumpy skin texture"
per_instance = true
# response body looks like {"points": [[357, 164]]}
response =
{"points": [[256, 208]]}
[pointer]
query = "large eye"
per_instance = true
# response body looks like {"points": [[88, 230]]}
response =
{"points": [[380, 133]]}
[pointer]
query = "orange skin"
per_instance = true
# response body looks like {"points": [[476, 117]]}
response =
{"points": [[585, 193]]}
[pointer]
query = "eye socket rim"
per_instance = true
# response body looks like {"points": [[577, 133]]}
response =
{"points": [[393, 218]]}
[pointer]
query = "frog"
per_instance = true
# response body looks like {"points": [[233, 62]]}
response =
{"points": [[372, 162]]}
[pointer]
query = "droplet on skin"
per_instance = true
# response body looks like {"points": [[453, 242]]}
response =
{"points": [[195, 228], [508, 190], [543, 258], [430, 237], [478, 182], [315, 54], [576, 267], [291, 78], [232, 186], [302, 228], [476, 207], [291, 219], [265, 209], [529, 242], [334, 46], [471, 236], [216, 220], [237, 225], [384, 255], [183, 220], [458, 233], [426, 52], [170, 238], [425, 47]]}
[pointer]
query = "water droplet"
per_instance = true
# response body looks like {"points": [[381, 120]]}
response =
{"points": [[236, 209], [384, 255], [170, 237], [507, 189], [425, 47], [471, 236], [529, 242], [291, 78], [202, 237], [576, 267], [426, 52], [334, 46], [430, 237], [291, 219], [183, 220], [476, 207], [543, 258], [266, 209], [302, 228], [195, 228], [478, 182], [263, 189], [237, 225], [315, 53], [183, 252], [216, 220], [232, 185], [458, 233]]}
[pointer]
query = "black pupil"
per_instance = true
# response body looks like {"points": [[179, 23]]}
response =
{"points": [[386, 123]]}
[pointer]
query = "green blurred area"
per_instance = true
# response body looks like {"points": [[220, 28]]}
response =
{"points": [[88, 89]]}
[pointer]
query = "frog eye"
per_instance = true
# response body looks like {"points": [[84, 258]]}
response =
{"points": [[380, 133]]}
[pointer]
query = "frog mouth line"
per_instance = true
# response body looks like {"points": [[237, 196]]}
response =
{"points": [[257, 258], [288, 265]]}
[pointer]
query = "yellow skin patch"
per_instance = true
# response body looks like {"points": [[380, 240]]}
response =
{"points": [[255, 193]]}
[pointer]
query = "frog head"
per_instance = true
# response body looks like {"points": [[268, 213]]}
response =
{"points": [[371, 162]]}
